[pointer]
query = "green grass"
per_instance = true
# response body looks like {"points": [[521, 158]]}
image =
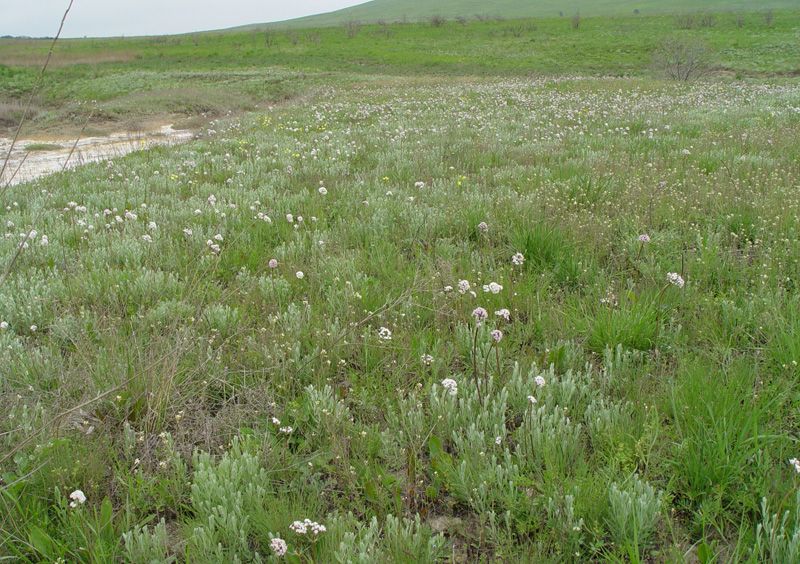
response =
{"points": [[421, 10], [665, 416], [203, 397], [137, 81]]}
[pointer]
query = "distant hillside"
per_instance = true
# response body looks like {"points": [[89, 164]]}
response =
{"points": [[416, 10]]}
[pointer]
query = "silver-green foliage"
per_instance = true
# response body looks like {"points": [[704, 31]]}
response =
{"points": [[223, 494], [141, 546], [777, 541], [634, 510]]}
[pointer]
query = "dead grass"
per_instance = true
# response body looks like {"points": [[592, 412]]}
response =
{"points": [[35, 56]]}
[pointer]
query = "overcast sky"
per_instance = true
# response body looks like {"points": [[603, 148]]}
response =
{"points": [[100, 18]]}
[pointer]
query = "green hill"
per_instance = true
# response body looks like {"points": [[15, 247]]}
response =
{"points": [[416, 10]]}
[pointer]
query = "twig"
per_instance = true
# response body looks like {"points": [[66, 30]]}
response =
{"points": [[33, 92]]}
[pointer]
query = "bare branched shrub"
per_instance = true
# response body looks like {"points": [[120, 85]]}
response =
{"points": [[576, 19], [269, 37], [437, 20], [739, 21], [463, 21], [482, 17], [768, 17], [352, 27], [292, 37], [685, 21], [683, 59], [707, 19]]}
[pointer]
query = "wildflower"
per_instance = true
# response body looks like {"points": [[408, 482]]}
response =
{"points": [[675, 279], [492, 287], [450, 385], [197, 212], [299, 527], [504, 313], [448, 288], [518, 259], [497, 335], [273, 263], [212, 199], [323, 190], [77, 497], [278, 546], [385, 334], [796, 463], [532, 399], [34, 328], [644, 238], [687, 152], [286, 430], [218, 237], [131, 216], [44, 242], [419, 184], [152, 225], [276, 421], [463, 286], [498, 440], [187, 231], [3, 324], [482, 227], [479, 314], [289, 218], [426, 359], [299, 274], [147, 238]]}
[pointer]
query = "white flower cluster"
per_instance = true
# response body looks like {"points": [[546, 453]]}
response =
{"points": [[385, 334], [278, 546], [796, 463], [77, 497], [302, 527], [451, 386], [676, 279], [518, 259], [539, 381], [426, 359], [492, 287], [504, 313]]}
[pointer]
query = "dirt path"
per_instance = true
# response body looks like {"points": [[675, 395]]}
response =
{"points": [[46, 158]]}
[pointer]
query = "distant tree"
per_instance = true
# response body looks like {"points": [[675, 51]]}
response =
{"points": [[463, 21], [768, 17], [352, 27], [437, 20], [739, 21], [684, 21], [707, 19], [576, 19], [292, 37], [636, 11], [683, 60], [269, 37]]}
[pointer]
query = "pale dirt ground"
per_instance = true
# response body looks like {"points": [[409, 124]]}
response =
{"points": [[88, 150]]}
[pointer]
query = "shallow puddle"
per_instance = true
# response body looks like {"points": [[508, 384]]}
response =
{"points": [[89, 150]]}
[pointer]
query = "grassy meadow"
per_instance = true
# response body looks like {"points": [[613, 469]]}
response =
{"points": [[139, 82], [410, 315]]}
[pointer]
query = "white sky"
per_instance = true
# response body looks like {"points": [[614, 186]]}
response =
{"points": [[101, 18]]}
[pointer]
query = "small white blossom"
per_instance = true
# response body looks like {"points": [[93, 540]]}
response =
{"points": [[451, 386], [278, 546], [385, 334], [675, 279], [518, 259], [539, 381]]}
